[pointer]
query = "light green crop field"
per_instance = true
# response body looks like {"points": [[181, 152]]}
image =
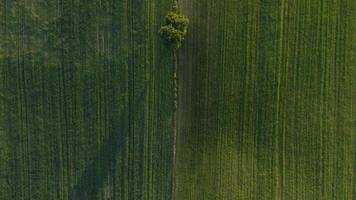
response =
{"points": [[85, 100], [268, 101], [266, 110]]}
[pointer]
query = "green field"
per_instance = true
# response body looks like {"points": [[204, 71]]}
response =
{"points": [[267, 101], [85, 100]]}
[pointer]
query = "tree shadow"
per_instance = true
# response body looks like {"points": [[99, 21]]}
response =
{"points": [[96, 172]]}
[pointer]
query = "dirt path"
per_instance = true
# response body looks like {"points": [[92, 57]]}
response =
{"points": [[183, 114]]}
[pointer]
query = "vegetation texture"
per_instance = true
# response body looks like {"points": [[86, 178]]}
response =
{"points": [[85, 100], [267, 101], [175, 29]]}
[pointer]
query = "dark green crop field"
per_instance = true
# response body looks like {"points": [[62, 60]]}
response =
{"points": [[268, 101], [266, 110], [85, 100]]}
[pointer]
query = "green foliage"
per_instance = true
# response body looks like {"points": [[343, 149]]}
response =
{"points": [[175, 29]]}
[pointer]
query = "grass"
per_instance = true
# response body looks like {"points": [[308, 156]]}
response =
{"points": [[267, 101], [85, 100]]}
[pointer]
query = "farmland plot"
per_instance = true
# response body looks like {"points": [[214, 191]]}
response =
{"points": [[85, 99], [267, 101]]}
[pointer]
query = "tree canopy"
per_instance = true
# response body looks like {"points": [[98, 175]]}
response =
{"points": [[175, 29]]}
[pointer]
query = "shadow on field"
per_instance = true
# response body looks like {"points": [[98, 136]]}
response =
{"points": [[96, 172]]}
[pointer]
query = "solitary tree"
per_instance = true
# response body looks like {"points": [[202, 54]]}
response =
{"points": [[174, 30]]}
